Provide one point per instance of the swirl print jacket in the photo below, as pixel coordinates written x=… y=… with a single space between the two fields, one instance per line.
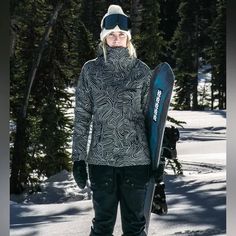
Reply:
x=112 y=95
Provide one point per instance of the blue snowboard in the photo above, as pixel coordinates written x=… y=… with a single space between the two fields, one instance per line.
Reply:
x=161 y=86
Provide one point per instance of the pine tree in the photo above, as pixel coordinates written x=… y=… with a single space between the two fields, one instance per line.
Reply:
x=91 y=14
x=185 y=43
x=136 y=17
x=150 y=42
x=47 y=129
x=169 y=19
x=25 y=15
x=216 y=55
x=205 y=16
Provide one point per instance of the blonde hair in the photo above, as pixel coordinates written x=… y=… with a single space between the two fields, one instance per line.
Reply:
x=130 y=46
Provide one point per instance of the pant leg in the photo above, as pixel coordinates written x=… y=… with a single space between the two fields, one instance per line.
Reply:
x=133 y=189
x=105 y=200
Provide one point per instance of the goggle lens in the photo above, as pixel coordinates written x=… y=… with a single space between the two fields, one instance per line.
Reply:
x=111 y=21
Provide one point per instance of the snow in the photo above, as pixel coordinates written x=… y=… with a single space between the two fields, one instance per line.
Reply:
x=196 y=200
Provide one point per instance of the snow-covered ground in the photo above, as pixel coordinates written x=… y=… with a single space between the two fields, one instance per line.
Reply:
x=196 y=200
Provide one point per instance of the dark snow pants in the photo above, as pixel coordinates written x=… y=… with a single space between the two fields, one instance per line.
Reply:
x=124 y=185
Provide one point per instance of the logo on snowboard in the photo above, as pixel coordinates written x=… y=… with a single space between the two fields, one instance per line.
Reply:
x=158 y=99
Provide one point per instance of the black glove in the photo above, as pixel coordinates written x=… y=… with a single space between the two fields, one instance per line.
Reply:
x=80 y=173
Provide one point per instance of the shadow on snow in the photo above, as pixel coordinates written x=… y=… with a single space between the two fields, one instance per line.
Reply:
x=18 y=220
x=207 y=205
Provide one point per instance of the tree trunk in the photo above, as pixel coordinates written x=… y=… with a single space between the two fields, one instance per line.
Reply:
x=18 y=173
x=196 y=65
x=13 y=30
x=213 y=87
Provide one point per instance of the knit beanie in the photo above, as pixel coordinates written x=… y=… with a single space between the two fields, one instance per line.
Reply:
x=113 y=9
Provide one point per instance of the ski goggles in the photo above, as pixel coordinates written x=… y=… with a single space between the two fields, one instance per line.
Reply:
x=111 y=21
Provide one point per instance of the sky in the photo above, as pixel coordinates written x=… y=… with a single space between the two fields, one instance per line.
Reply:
x=196 y=200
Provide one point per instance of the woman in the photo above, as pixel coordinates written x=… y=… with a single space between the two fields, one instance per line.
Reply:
x=111 y=94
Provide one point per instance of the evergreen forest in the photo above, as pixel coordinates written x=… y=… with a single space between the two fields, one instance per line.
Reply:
x=50 y=40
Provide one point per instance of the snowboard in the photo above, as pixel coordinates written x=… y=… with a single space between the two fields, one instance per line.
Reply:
x=161 y=86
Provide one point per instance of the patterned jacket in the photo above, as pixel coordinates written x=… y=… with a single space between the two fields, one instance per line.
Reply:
x=112 y=96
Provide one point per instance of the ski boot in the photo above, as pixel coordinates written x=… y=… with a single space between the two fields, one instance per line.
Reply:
x=159 y=205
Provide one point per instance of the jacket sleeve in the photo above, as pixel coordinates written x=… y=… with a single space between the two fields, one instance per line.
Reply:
x=82 y=119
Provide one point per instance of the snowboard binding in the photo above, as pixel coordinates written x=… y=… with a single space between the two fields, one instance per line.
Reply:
x=159 y=205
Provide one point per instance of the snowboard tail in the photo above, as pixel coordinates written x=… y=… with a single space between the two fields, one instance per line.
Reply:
x=161 y=86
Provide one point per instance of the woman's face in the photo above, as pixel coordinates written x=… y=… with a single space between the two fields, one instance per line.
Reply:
x=117 y=39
